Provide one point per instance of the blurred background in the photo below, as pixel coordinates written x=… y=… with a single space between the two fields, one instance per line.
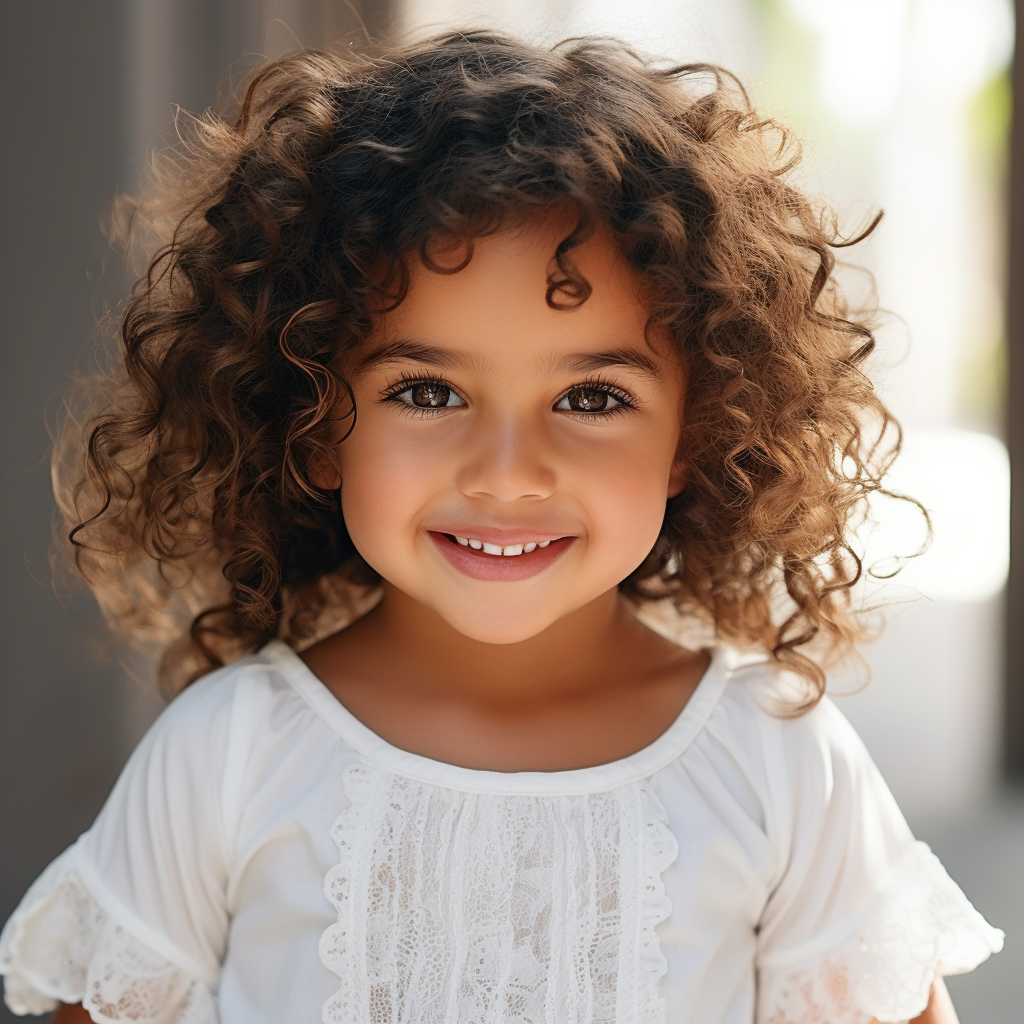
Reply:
x=903 y=105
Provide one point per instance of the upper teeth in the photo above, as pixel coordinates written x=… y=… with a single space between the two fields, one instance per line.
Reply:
x=497 y=549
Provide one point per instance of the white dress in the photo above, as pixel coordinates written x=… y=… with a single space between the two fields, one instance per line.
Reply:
x=267 y=859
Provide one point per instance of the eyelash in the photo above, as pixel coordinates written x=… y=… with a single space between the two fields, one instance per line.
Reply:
x=627 y=402
x=406 y=381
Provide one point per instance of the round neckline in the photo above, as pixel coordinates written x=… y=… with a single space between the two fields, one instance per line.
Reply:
x=573 y=781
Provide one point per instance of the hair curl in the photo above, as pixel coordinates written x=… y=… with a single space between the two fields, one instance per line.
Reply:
x=282 y=231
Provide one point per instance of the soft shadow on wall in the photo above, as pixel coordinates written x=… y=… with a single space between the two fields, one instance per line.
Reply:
x=90 y=88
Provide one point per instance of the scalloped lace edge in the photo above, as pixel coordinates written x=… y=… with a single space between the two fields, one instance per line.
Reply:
x=60 y=946
x=924 y=928
x=660 y=850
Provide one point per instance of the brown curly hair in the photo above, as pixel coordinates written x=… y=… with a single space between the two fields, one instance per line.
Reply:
x=283 y=232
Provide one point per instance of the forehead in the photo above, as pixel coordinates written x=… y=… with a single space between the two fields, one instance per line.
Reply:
x=496 y=307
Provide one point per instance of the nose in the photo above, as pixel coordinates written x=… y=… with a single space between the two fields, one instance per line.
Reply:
x=508 y=460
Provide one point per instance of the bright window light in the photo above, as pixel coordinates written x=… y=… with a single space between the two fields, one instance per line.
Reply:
x=861 y=59
x=963 y=478
x=872 y=50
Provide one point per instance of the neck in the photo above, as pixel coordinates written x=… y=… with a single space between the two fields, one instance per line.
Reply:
x=579 y=651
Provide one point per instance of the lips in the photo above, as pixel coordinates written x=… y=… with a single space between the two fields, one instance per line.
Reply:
x=481 y=564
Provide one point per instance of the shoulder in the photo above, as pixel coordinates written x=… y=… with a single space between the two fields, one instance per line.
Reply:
x=232 y=712
x=217 y=741
x=757 y=699
x=258 y=680
x=818 y=776
x=794 y=761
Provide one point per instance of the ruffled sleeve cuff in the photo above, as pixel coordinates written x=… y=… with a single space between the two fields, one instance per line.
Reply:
x=61 y=946
x=922 y=928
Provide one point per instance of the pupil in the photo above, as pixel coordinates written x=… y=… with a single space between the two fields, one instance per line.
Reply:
x=588 y=401
x=431 y=396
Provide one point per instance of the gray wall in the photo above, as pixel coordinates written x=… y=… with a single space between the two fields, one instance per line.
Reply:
x=87 y=88
x=60 y=718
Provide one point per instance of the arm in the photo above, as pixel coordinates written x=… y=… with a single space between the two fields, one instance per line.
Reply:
x=71 y=1015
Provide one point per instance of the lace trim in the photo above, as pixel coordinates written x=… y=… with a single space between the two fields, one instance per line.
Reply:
x=884 y=971
x=61 y=946
x=456 y=906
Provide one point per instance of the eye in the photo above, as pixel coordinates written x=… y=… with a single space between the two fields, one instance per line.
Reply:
x=426 y=394
x=594 y=398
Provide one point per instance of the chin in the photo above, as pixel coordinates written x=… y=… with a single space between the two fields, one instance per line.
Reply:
x=504 y=626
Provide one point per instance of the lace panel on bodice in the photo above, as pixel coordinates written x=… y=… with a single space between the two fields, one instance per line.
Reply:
x=464 y=908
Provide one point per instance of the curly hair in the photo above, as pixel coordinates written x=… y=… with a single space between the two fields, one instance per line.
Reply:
x=282 y=232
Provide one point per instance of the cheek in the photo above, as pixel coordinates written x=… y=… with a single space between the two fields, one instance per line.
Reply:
x=629 y=510
x=625 y=487
x=387 y=475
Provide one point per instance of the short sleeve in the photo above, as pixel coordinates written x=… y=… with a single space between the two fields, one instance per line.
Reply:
x=131 y=921
x=862 y=917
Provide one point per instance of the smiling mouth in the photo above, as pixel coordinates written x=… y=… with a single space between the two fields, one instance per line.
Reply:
x=484 y=560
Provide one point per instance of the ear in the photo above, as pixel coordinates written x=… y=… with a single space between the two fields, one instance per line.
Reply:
x=324 y=472
x=677 y=478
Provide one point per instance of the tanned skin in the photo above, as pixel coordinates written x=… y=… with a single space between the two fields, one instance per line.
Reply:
x=543 y=672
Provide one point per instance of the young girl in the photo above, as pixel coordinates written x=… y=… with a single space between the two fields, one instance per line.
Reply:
x=516 y=342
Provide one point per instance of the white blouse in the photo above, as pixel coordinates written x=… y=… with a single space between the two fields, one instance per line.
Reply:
x=265 y=858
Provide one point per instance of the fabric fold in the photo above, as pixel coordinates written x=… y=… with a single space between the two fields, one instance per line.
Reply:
x=61 y=946
x=922 y=928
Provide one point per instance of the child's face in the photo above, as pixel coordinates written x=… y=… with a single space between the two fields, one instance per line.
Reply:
x=487 y=417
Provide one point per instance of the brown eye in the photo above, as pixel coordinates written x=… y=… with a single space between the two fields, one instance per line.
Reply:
x=428 y=394
x=589 y=400
x=431 y=396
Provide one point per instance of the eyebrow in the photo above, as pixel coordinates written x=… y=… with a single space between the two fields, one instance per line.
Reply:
x=585 y=362
x=582 y=362
x=415 y=351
